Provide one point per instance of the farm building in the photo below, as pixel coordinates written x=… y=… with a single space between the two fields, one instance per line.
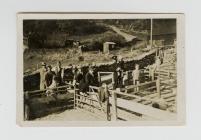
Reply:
x=107 y=46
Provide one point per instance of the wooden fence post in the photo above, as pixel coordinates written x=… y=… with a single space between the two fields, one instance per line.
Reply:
x=113 y=81
x=99 y=78
x=158 y=87
x=127 y=76
x=107 y=105
x=114 y=106
x=168 y=73
x=74 y=96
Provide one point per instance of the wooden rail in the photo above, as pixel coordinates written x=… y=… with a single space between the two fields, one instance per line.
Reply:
x=138 y=108
x=139 y=85
x=59 y=89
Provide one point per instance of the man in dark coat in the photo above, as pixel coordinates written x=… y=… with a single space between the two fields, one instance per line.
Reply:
x=78 y=76
x=49 y=76
x=121 y=64
x=119 y=81
x=115 y=66
x=89 y=77
x=59 y=72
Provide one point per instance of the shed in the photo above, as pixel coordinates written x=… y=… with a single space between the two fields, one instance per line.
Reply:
x=107 y=46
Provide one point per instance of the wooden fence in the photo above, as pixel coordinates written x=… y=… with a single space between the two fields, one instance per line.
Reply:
x=121 y=106
x=130 y=108
x=38 y=104
x=90 y=101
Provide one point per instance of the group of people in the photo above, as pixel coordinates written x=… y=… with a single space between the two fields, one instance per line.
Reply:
x=84 y=80
x=54 y=77
x=121 y=77
x=51 y=77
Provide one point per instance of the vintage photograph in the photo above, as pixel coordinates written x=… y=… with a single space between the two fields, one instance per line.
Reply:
x=108 y=68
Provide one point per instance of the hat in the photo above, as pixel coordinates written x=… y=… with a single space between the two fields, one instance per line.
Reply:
x=79 y=67
x=43 y=64
x=49 y=66
x=118 y=69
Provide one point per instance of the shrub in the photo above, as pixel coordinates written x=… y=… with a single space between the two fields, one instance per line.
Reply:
x=81 y=58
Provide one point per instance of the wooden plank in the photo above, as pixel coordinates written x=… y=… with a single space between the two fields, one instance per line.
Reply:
x=131 y=117
x=146 y=102
x=105 y=72
x=154 y=95
x=75 y=92
x=170 y=99
x=106 y=77
x=150 y=88
x=158 y=87
x=165 y=96
x=166 y=92
x=146 y=110
x=113 y=100
x=142 y=84
x=39 y=91
x=87 y=98
x=135 y=96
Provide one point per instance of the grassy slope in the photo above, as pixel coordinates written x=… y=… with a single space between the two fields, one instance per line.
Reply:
x=66 y=56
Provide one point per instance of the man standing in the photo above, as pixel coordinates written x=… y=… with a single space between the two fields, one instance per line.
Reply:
x=49 y=76
x=89 y=77
x=136 y=76
x=121 y=63
x=158 y=62
x=78 y=75
x=115 y=66
x=119 y=74
x=59 y=72
x=43 y=72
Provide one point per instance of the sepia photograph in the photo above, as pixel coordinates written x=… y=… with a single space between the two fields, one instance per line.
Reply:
x=100 y=69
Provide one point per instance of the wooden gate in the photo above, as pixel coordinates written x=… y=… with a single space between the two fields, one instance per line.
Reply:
x=90 y=102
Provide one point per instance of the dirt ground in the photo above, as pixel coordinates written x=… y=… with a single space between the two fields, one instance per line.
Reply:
x=71 y=115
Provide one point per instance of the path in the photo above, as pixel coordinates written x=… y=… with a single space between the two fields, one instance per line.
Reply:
x=128 y=37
